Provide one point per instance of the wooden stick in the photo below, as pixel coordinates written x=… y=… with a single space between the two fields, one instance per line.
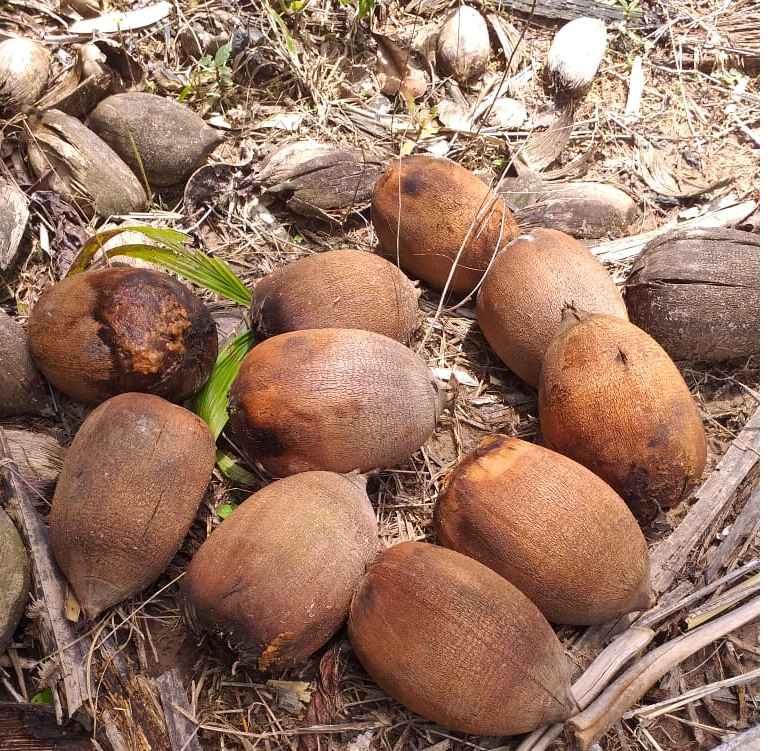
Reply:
x=746 y=524
x=182 y=731
x=749 y=740
x=590 y=725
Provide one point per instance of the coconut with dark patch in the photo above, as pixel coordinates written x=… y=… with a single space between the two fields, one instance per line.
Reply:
x=612 y=399
x=275 y=579
x=439 y=222
x=460 y=645
x=155 y=136
x=343 y=288
x=697 y=293
x=520 y=305
x=128 y=491
x=332 y=399
x=554 y=529
x=100 y=333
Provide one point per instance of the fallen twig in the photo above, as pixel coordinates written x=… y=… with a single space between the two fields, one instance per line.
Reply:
x=591 y=724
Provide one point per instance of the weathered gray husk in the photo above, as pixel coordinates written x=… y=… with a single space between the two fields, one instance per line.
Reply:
x=581 y=209
x=14 y=213
x=314 y=177
x=697 y=292
x=14 y=575
x=171 y=140
x=82 y=168
x=21 y=385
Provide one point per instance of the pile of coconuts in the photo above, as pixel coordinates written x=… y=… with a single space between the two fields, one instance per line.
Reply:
x=527 y=535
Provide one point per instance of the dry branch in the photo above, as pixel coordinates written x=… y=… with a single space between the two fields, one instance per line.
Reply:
x=591 y=724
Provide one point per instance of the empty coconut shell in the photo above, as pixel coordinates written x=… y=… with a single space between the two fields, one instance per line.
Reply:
x=343 y=288
x=131 y=483
x=519 y=306
x=452 y=640
x=332 y=399
x=314 y=178
x=100 y=333
x=276 y=577
x=554 y=529
x=21 y=388
x=81 y=167
x=171 y=140
x=612 y=399
x=24 y=69
x=581 y=209
x=697 y=293
x=428 y=212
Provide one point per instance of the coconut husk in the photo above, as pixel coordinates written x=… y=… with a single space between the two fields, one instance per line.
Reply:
x=21 y=385
x=14 y=213
x=38 y=458
x=79 y=166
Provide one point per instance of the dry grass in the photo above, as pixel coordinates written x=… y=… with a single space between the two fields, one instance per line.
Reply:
x=315 y=70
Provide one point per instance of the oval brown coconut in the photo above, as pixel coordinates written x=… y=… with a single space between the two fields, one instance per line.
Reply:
x=100 y=333
x=457 y=643
x=554 y=529
x=427 y=211
x=345 y=288
x=612 y=399
x=697 y=293
x=332 y=399
x=171 y=140
x=128 y=491
x=275 y=579
x=520 y=305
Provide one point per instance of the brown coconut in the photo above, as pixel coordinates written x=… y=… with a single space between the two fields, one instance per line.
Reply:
x=332 y=399
x=171 y=140
x=428 y=211
x=519 y=306
x=24 y=69
x=127 y=494
x=100 y=333
x=554 y=529
x=275 y=579
x=612 y=399
x=455 y=642
x=344 y=288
